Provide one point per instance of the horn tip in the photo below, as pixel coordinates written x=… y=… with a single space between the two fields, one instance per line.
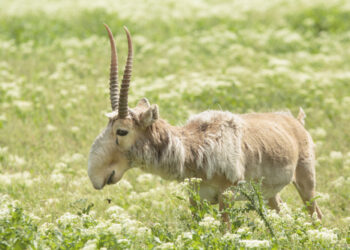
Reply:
x=126 y=29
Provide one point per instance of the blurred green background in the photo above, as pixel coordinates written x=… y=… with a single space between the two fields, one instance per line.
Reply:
x=190 y=56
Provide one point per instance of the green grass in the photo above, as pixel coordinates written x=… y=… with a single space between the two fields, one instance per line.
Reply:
x=189 y=57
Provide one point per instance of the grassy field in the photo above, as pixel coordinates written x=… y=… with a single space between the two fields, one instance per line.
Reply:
x=190 y=56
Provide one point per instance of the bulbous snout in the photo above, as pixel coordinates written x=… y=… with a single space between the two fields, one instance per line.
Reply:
x=96 y=172
x=102 y=154
x=100 y=175
x=99 y=183
x=106 y=167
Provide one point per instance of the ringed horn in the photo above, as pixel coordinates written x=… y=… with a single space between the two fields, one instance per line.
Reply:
x=122 y=102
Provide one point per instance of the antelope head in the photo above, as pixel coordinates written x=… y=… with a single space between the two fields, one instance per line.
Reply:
x=107 y=160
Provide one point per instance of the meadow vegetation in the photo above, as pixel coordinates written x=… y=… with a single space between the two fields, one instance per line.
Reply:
x=190 y=56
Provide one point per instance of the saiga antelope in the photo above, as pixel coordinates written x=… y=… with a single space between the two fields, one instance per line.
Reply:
x=219 y=147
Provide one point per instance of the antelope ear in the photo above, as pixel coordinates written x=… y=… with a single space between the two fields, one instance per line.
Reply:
x=112 y=114
x=148 y=117
x=144 y=103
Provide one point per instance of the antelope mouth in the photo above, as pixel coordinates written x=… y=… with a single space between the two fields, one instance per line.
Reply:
x=110 y=178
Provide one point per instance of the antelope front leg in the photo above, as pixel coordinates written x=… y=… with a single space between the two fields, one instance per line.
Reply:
x=196 y=206
x=224 y=215
x=274 y=203
x=193 y=204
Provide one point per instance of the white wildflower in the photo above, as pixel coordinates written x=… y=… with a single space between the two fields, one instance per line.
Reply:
x=322 y=196
x=79 y=181
x=320 y=133
x=273 y=215
x=102 y=225
x=115 y=228
x=28 y=182
x=130 y=225
x=134 y=209
x=34 y=217
x=92 y=214
x=5 y=105
x=284 y=208
x=3 y=150
x=68 y=105
x=50 y=107
x=124 y=184
x=68 y=218
x=336 y=155
x=338 y=182
x=90 y=245
x=209 y=222
x=90 y=231
x=243 y=230
x=346 y=220
x=60 y=166
x=81 y=88
x=324 y=235
x=259 y=222
x=3 y=117
x=23 y=105
x=319 y=144
x=300 y=212
x=51 y=201
x=5 y=179
x=187 y=235
x=189 y=182
x=255 y=243
x=57 y=178
x=183 y=237
x=167 y=245
x=158 y=204
x=315 y=217
x=114 y=209
x=144 y=178
x=74 y=100
x=50 y=128
x=230 y=237
x=198 y=180
x=287 y=218
x=331 y=102
x=23 y=178
x=45 y=227
x=124 y=241
x=229 y=194
x=347 y=164
x=74 y=129
x=54 y=76
x=241 y=182
x=142 y=232
x=63 y=92
x=76 y=157
x=278 y=62
x=4 y=212
x=14 y=92
x=346 y=101
x=39 y=89
x=295 y=237
x=119 y=217
x=15 y=160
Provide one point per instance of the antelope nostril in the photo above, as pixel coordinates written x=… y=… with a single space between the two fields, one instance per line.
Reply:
x=110 y=178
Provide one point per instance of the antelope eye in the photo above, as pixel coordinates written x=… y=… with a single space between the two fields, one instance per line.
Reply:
x=122 y=132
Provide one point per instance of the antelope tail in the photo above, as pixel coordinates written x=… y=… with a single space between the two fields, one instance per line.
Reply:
x=301 y=116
